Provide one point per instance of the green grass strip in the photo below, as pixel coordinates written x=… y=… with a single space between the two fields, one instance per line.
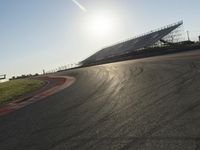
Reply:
x=11 y=90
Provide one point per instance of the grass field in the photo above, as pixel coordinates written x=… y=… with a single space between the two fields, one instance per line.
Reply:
x=11 y=90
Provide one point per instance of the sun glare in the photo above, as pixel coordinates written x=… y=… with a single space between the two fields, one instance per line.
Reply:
x=101 y=25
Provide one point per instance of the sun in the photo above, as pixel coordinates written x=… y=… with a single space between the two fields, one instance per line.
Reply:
x=101 y=24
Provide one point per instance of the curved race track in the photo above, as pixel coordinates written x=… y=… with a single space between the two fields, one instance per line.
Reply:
x=146 y=104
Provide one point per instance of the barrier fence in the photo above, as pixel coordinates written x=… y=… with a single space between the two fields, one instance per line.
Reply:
x=62 y=68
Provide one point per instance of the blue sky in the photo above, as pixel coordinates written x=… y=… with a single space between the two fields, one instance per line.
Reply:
x=45 y=34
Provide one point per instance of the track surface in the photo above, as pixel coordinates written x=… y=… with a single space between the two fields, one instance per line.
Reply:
x=146 y=104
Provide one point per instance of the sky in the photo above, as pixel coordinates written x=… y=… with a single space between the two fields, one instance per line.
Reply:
x=46 y=34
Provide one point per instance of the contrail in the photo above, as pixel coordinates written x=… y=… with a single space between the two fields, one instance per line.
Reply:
x=80 y=6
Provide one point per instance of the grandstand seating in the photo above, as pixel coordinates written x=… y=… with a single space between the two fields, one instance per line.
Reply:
x=135 y=44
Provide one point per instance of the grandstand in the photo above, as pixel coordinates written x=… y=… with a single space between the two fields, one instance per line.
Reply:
x=160 y=36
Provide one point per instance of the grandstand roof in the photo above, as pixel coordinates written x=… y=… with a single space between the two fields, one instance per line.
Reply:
x=136 y=43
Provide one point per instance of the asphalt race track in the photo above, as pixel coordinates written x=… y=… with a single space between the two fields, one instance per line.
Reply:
x=146 y=104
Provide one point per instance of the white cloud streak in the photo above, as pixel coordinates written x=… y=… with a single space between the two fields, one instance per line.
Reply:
x=80 y=6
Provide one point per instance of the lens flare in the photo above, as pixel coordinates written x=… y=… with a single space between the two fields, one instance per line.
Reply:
x=80 y=6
